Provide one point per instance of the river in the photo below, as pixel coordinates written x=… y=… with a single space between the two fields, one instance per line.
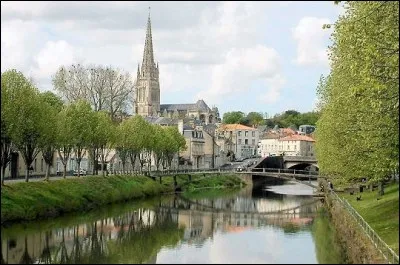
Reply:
x=270 y=224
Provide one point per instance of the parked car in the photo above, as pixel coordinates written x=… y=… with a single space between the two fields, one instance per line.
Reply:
x=82 y=172
x=240 y=168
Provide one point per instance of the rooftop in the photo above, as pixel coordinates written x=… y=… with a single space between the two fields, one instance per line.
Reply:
x=233 y=127
x=297 y=137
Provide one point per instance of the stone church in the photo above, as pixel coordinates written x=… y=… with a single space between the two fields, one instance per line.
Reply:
x=147 y=92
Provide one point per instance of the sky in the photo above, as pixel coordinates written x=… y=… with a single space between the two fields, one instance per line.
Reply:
x=238 y=56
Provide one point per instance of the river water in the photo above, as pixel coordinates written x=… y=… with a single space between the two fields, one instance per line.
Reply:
x=270 y=224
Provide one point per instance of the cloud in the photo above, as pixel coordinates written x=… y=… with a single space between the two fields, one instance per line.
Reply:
x=52 y=56
x=19 y=39
x=240 y=69
x=311 y=41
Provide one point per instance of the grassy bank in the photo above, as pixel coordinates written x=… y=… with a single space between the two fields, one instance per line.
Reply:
x=33 y=200
x=382 y=215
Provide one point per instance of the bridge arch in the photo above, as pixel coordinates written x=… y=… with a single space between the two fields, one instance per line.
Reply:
x=304 y=166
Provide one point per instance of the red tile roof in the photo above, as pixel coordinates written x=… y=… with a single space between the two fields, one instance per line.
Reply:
x=233 y=127
x=297 y=137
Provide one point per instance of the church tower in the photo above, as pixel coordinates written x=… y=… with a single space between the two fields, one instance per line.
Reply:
x=147 y=85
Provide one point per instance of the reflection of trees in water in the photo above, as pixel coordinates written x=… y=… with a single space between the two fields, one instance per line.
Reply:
x=26 y=258
x=327 y=246
x=134 y=237
x=45 y=257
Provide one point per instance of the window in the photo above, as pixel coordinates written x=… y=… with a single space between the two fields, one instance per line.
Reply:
x=253 y=142
x=288 y=147
x=253 y=133
x=239 y=133
x=240 y=141
x=34 y=167
x=246 y=133
x=246 y=141
x=41 y=165
x=295 y=147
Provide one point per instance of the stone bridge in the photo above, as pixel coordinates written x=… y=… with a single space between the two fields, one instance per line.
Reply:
x=288 y=162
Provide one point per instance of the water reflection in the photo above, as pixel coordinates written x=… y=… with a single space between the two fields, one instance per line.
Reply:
x=167 y=230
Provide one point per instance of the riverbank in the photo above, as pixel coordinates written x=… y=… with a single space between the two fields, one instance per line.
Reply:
x=381 y=215
x=35 y=200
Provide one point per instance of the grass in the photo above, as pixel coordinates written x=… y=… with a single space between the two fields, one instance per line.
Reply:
x=382 y=215
x=34 y=200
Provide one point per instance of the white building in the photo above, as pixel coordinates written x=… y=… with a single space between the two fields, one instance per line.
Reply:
x=243 y=139
x=292 y=145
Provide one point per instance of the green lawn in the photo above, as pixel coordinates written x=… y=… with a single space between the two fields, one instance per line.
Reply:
x=382 y=215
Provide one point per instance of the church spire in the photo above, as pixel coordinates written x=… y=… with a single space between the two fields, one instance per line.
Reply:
x=148 y=57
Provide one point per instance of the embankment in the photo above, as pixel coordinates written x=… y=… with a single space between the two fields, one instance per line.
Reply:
x=44 y=199
x=359 y=248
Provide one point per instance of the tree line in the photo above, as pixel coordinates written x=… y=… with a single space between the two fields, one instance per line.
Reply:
x=289 y=118
x=358 y=131
x=34 y=121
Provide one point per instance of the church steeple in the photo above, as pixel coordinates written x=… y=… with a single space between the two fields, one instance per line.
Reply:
x=148 y=57
x=147 y=84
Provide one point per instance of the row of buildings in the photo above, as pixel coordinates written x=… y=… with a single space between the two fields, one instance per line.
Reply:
x=208 y=146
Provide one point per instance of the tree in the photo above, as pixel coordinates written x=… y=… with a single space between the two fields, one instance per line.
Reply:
x=6 y=144
x=105 y=136
x=64 y=133
x=233 y=117
x=255 y=118
x=104 y=88
x=358 y=132
x=23 y=115
x=82 y=123
x=52 y=105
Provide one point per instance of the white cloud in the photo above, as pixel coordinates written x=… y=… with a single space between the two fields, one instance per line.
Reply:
x=311 y=41
x=52 y=56
x=19 y=39
x=240 y=69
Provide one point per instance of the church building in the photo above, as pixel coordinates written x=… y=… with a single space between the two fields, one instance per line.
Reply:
x=147 y=92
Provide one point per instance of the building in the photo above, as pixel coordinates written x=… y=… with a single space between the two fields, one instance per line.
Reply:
x=147 y=92
x=306 y=129
x=147 y=84
x=193 y=156
x=239 y=139
x=292 y=145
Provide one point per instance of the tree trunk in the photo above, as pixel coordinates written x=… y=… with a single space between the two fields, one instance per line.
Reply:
x=381 y=189
x=3 y=174
x=27 y=174
x=78 y=161
x=65 y=170
x=47 y=171
x=102 y=168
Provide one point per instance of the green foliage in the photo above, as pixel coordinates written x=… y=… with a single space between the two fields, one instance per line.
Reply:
x=358 y=132
x=293 y=118
x=28 y=201
x=233 y=117
x=24 y=114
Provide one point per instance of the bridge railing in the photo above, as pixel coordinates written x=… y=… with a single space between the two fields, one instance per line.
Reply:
x=381 y=246
x=288 y=171
x=210 y=170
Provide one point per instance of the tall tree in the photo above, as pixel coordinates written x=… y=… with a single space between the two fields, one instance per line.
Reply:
x=105 y=88
x=82 y=123
x=358 y=132
x=52 y=105
x=24 y=115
